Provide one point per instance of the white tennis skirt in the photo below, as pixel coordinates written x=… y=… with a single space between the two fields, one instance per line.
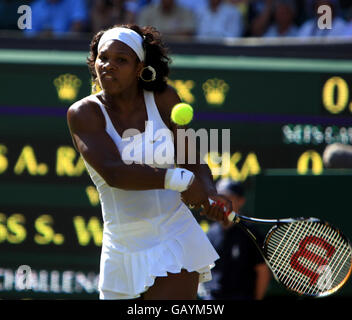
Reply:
x=126 y=275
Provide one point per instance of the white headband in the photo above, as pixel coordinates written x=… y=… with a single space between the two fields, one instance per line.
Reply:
x=127 y=36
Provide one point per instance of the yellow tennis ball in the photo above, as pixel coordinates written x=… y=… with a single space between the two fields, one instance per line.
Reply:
x=182 y=114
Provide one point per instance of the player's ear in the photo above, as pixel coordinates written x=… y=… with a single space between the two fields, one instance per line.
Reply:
x=140 y=67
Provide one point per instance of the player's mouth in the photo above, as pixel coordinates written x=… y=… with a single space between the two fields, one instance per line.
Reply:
x=107 y=76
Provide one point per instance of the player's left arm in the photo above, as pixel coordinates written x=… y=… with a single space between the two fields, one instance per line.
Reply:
x=201 y=170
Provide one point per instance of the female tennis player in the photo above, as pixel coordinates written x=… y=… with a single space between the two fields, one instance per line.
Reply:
x=153 y=248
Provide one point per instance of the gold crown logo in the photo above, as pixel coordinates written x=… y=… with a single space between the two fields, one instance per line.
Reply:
x=67 y=86
x=215 y=91
x=184 y=89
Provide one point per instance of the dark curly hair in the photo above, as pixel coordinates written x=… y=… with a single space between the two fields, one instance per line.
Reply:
x=156 y=55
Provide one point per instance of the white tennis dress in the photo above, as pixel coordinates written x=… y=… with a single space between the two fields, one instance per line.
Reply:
x=146 y=233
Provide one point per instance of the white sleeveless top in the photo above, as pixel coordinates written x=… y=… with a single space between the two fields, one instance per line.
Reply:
x=150 y=232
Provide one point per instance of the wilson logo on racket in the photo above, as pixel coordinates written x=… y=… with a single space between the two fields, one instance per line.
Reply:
x=311 y=255
x=306 y=255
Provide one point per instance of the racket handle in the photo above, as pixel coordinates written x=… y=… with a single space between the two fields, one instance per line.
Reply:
x=231 y=216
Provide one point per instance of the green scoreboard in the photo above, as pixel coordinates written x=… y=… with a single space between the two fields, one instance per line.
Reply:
x=282 y=113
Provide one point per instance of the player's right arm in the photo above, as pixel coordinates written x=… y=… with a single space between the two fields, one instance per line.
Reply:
x=87 y=126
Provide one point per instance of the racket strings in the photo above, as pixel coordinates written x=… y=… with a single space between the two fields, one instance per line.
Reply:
x=337 y=268
x=340 y=264
x=311 y=258
x=283 y=254
x=310 y=262
x=285 y=257
x=325 y=272
x=280 y=236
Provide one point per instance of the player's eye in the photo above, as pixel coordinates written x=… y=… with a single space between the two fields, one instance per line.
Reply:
x=121 y=59
x=102 y=58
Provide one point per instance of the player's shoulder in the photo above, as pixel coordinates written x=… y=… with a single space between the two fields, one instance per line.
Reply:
x=166 y=99
x=85 y=104
x=167 y=96
x=83 y=111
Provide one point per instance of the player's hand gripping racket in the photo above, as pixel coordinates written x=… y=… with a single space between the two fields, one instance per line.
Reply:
x=306 y=255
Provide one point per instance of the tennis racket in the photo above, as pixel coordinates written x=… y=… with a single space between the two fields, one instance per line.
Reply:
x=306 y=255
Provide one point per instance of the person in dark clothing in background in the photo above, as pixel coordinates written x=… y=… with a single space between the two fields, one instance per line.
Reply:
x=240 y=273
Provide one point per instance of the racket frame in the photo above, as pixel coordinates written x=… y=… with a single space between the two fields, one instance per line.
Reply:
x=237 y=219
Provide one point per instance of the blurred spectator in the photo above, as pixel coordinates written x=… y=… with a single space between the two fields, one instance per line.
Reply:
x=347 y=32
x=338 y=155
x=168 y=17
x=9 y=15
x=240 y=273
x=346 y=9
x=284 y=20
x=142 y=3
x=348 y=16
x=194 y=6
x=260 y=17
x=218 y=20
x=311 y=29
x=56 y=17
x=243 y=7
x=301 y=14
x=106 y=13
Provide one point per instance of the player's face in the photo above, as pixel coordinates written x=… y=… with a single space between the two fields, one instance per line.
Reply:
x=117 y=67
